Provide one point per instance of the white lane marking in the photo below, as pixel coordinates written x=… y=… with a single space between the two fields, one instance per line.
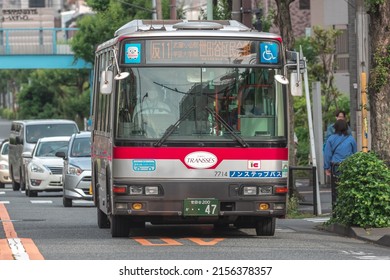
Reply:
x=317 y=220
x=41 y=201
x=4 y=202
x=285 y=230
x=2 y=192
x=365 y=255
x=18 y=251
x=82 y=202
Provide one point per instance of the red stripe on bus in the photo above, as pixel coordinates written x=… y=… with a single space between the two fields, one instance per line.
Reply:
x=181 y=153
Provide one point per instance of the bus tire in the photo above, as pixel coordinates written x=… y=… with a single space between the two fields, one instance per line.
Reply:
x=119 y=226
x=32 y=193
x=265 y=226
x=67 y=202
x=15 y=186
x=22 y=182
x=102 y=219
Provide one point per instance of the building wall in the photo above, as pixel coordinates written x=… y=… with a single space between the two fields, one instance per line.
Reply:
x=29 y=13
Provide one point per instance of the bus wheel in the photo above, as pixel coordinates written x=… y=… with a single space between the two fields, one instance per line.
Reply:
x=15 y=186
x=119 y=226
x=265 y=226
x=32 y=193
x=22 y=183
x=102 y=219
x=67 y=202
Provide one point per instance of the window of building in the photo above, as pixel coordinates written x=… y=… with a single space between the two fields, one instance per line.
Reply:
x=304 y=4
x=36 y=3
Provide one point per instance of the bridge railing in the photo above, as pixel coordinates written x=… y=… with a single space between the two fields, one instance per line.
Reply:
x=30 y=41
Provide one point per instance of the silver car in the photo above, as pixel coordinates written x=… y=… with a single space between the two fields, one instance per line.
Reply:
x=77 y=168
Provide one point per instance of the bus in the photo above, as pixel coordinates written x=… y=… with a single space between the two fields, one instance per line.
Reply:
x=189 y=127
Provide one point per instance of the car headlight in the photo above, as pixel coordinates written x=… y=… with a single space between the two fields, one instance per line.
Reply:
x=3 y=166
x=36 y=168
x=74 y=170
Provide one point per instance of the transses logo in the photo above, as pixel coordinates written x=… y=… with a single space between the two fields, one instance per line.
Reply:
x=200 y=160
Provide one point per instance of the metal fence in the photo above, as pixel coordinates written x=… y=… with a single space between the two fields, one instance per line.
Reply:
x=302 y=180
x=40 y=41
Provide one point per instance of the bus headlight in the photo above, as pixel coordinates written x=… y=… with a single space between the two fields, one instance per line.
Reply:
x=151 y=190
x=136 y=190
x=249 y=190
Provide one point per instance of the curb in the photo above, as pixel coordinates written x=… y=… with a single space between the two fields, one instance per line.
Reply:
x=385 y=240
x=380 y=236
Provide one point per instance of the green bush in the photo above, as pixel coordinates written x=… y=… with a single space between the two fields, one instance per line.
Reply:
x=363 y=192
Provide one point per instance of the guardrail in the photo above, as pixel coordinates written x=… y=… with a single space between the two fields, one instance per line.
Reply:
x=40 y=41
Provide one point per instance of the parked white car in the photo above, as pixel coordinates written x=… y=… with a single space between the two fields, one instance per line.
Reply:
x=4 y=170
x=44 y=171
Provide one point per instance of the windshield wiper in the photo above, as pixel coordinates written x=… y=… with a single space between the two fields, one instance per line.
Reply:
x=173 y=127
x=228 y=127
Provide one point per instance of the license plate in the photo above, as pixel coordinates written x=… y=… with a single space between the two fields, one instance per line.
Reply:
x=201 y=207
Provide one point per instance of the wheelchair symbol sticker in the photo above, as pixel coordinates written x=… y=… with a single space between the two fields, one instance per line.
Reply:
x=269 y=53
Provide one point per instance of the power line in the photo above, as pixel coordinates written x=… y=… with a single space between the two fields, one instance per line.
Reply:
x=136 y=6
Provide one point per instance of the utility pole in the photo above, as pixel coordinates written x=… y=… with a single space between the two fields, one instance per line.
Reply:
x=172 y=10
x=209 y=9
x=236 y=10
x=154 y=8
x=362 y=48
x=159 y=9
x=247 y=13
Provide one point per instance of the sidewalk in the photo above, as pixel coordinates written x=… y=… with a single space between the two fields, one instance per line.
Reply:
x=380 y=236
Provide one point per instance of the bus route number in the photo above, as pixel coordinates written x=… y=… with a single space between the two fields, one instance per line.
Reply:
x=221 y=174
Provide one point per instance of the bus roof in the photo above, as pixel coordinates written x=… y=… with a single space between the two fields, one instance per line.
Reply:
x=179 y=28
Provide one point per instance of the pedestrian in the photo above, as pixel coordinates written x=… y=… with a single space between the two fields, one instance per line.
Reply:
x=340 y=115
x=339 y=146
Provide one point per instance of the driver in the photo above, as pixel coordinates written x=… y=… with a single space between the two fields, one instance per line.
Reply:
x=149 y=112
x=152 y=103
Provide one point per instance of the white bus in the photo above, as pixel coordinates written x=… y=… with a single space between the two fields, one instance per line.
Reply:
x=189 y=126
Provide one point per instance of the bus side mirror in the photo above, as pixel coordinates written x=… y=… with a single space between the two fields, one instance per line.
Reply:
x=106 y=82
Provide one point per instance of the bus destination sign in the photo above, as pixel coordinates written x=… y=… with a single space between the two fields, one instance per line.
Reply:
x=206 y=51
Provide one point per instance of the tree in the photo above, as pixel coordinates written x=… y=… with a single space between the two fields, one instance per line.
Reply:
x=283 y=22
x=379 y=83
x=95 y=29
x=110 y=15
x=10 y=82
x=320 y=53
x=55 y=94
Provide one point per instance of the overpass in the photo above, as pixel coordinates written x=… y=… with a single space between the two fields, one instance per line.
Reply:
x=38 y=48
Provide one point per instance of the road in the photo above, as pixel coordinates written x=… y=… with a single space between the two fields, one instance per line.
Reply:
x=41 y=228
x=60 y=233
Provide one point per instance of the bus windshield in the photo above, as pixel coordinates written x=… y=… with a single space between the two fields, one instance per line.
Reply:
x=209 y=103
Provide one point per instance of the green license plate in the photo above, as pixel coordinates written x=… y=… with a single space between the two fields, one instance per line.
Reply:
x=201 y=207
